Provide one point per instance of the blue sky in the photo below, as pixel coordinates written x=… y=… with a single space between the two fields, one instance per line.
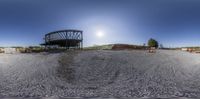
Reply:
x=173 y=23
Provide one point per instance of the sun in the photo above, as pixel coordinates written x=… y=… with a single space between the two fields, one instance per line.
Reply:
x=100 y=34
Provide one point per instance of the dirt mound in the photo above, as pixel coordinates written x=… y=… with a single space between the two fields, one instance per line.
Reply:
x=126 y=47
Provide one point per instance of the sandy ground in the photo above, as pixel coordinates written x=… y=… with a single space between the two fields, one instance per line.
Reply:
x=101 y=74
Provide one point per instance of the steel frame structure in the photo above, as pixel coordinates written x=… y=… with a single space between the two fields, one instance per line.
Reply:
x=64 y=38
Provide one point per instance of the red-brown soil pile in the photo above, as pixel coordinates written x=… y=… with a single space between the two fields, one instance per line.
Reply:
x=126 y=47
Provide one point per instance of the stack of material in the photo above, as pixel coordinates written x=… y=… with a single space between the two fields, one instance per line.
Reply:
x=1 y=50
x=197 y=51
x=191 y=49
x=10 y=50
x=152 y=50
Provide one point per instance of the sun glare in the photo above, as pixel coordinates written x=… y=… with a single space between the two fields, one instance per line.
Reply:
x=100 y=34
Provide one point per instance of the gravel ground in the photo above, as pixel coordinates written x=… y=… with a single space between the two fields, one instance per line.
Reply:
x=101 y=74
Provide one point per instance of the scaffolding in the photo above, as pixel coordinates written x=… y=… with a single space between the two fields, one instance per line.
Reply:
x=64 y=38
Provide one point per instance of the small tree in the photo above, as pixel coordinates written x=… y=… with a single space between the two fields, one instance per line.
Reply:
x=153 y=43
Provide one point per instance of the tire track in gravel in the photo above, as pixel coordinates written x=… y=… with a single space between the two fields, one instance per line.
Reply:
x=98 y=75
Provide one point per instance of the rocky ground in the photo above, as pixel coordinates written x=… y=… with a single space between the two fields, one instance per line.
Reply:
x=101 y=74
